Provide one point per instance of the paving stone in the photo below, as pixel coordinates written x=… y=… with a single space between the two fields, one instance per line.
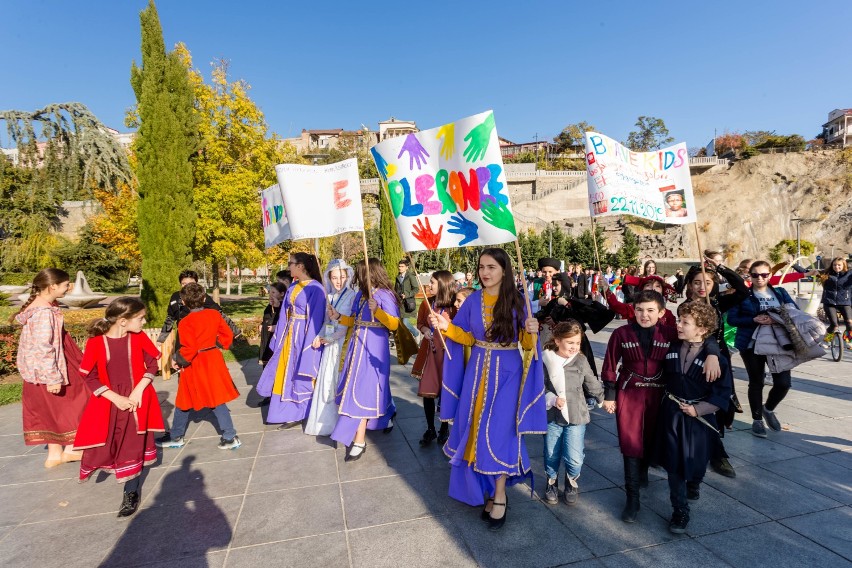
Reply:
x=748 y=447
x=431 y=542
x=590 y=480
x=829 y=528
x=244 y=424
x=294 y=513
x=770 y=544
x=30 y=467
x=278 y=442
x=19 y=501
x=288 y=471
x=820 y=437
x=188 y=481
x=11 y=426
x=668 y=555
x=390 y=499
x=206 y=450
x=840 y=458
x=380 y=460
x=13 y=445
x=328 y=551
x=829 y=479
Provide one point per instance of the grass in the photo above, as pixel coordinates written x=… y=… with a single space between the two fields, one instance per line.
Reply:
x=244 y=308
x=240 y=350
x=11 y=393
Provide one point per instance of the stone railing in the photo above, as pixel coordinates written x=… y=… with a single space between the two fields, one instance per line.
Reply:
x=708 y=161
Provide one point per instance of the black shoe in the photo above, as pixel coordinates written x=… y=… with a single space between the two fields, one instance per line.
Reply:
x=738 y=408
x=723 y=467
x=572 y=490
x=443 y=434
x=771 y=420
x=643 y=475
x=680 y=519
x=693 y=491
x=486 y=515
x=129 y=504
x=389 y=429
x=350 y=458
x=289 y=425
x=497 y=524
x=427 y=438
x=632 y=467
x=551 y=493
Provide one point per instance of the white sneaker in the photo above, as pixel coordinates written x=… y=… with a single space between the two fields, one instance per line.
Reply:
x=767 y=379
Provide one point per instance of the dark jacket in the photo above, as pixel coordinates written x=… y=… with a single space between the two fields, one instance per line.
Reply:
x=408 y=287
x=742 y=315
x=177 y=311
x=837 y=289
x=270 y=320
x=580 y=382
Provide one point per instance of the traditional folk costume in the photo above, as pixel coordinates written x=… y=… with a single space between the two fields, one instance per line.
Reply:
x=685 y=444
x=492 y=401
x=267 y=328
x=323 y=413
x=428 y=369
x=114 y=440
x=626 y=310
x=48 y=355
x=363 y=388
x=290 y=375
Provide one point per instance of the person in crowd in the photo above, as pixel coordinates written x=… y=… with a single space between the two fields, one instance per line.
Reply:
x=323 y=414
x=461 y=296
x=688 y=430
x=205 y=380
x=363 y=389
x=271 y=313
x=632 y=373
x=649 y=268
x=628 y=290
x=406 y=287
x=495 y=402
x=609 y=275
x=746 y=316
x=543 y=287
x=117 y=429
x=652 y=282
x=680 y=279
x=294 y=366
x=470 y=281
x=837 y=297
x=567 y=375
x=54 y=394
x=284 y=277
x=177 y=311
x=429 y=365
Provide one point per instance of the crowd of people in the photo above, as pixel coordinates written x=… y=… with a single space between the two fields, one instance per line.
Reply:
x=492 y=370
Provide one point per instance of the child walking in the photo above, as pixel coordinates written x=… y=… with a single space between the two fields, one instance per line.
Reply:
x=116 y=431
x=205 y=381
x=688 y=429
x=567 y=375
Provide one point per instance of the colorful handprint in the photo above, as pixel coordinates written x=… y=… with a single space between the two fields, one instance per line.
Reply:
x=464 y=227
x=478 y=139
x=448 y=133
x=425 y=235
x=498 y=214
x=416 y=152
x=381 y=164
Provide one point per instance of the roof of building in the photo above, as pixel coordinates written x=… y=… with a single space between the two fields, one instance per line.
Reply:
x=325 y=131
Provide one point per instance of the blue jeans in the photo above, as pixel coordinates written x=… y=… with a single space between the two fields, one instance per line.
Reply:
x=564 y=443
x=180 y=421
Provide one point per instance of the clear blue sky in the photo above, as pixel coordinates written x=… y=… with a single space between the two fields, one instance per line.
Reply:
x=780 y=65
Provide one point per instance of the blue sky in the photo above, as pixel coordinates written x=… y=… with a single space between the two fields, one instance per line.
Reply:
x=778 y=65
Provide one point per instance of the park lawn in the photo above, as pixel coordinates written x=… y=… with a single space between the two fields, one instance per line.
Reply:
x=11 y=393
x=241 y=350
x=249 y=307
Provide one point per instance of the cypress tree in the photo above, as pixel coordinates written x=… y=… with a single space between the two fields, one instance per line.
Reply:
x=166 y=139
x=391 y=246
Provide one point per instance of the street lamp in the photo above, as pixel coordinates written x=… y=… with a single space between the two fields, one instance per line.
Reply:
x=798 y=221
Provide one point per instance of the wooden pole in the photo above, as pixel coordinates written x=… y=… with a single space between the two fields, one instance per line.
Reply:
x=701 y=263
x=526 y=292
x=595 y=243
x=428 y=304
x=367 y=268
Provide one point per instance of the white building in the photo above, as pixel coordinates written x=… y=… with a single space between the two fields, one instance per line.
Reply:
x=838 y=129
x=392 y=128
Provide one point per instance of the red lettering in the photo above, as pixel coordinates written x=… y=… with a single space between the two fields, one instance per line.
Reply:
x=470 y=190
x=339 y=195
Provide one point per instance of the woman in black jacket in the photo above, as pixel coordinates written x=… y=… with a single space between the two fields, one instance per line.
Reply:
x=837 y=297
x=270 y=319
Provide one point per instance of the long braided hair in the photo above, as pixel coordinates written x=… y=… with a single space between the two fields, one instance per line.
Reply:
x=42 y=281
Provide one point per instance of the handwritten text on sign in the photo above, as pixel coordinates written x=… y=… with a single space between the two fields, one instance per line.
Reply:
x=276 y=229
x=653 y=185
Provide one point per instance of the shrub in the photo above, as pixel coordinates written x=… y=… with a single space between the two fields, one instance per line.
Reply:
x=8 y=350
x=16 y=278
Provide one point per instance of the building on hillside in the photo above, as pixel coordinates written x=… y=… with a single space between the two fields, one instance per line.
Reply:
x=11 y=154
x=392 y=128
x=510 y=149
x=321 y=141
x=838 y=129
x=124 y=139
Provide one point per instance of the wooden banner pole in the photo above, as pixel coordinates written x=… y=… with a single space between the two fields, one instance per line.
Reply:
x=526 y=292
x=367 y=268
x=701 y=263
x=428 y=304
x=595 y=243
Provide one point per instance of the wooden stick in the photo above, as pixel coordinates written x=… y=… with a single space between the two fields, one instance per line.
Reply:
x=701 y=262
x=526 y=293
x=428 y=304
x=367 y=267
x=595 y=243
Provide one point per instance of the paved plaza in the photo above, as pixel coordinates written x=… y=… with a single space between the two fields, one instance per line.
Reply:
x=287 y=499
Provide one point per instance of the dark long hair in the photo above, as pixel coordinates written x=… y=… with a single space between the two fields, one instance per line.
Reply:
x=42 y=281
x=378 y=277
x=123 y=307
x=310 y=263
x=446 y=296
x=508 y=316
x=695 y=272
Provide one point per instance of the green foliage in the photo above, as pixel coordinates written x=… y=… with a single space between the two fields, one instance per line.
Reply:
x=651 y=134
x=166 y=139
x=16 y=278
x=572 y=137
x=104 y=270
x=582 y=250
x=788 y=247
x=4 y=300
x=11 y=393
x=391 y=247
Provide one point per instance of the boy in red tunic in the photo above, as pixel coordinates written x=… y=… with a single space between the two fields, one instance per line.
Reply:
x=205 y=381
x=634 y=391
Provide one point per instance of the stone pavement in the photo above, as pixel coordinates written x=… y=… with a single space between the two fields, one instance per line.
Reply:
x=287 y=499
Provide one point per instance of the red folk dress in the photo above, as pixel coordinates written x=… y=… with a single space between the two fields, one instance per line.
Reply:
x=114 y=440
x=206 y=383
x=429 y=363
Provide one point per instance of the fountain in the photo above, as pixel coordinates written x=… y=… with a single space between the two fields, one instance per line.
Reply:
x=81 y=296
x=14 y=290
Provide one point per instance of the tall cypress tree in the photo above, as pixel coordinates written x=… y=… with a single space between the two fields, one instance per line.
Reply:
x=391 y=245
x=166 y=139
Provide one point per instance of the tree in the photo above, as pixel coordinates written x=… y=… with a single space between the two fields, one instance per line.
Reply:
x=652 y=134
x=166 y=139
x=729 y=142
x=789 y=247
x=628 y=254
x=115 y=227
x=572 y=137
x=582 y=249
x=104 y=270
x=391 y=247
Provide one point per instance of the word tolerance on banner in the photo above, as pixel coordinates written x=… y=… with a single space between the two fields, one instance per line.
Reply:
x=276 y=229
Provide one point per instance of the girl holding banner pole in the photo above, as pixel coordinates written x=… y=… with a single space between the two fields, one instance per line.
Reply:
x=498 y=396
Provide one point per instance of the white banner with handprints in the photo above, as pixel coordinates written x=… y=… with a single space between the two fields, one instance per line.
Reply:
x=276 y=229
x=321 y=201
x=652 y=185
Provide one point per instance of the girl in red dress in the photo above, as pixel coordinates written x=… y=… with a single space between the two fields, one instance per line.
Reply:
x=48 y=358
x=116 y=433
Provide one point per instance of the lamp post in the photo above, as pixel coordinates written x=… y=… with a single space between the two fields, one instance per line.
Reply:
x=798 y=221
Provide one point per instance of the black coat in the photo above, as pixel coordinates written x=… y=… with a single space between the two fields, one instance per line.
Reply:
x=837 y=289
x=177 y=311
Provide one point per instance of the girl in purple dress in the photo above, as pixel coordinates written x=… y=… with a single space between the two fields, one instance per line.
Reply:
x=294 y=366
x=498 y=396
x=363 y=389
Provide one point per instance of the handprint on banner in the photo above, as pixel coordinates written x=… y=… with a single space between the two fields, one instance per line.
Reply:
x=448 y=133
x=464 y=227
x=479 y=137
x=416 y=152
x=498 y=214
x=425 y=235
x=385 y=170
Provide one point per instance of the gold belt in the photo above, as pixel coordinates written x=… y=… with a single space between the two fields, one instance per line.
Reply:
x=363 y=323
x=493 y=345
x=296 y=316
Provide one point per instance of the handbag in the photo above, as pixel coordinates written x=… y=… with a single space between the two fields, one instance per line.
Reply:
x=409 y=304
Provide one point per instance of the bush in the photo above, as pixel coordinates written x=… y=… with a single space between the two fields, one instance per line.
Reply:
x=10 y=393
x=16 y=278
x=8 y=349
